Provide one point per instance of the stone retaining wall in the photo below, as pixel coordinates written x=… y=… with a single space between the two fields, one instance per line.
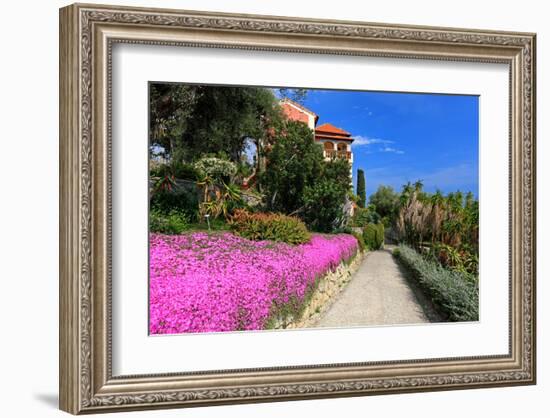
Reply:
x=328 y=288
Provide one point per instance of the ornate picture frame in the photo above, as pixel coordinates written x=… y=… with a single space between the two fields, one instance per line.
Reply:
x=87 y=35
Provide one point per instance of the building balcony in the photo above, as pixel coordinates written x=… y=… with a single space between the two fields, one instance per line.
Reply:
x=338 y=154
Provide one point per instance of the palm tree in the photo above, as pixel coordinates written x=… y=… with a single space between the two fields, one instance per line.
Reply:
x=418 y=185
x=405 y=193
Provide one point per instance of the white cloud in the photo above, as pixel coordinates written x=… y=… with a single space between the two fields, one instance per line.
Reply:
x=365 y=140
x=391 y=149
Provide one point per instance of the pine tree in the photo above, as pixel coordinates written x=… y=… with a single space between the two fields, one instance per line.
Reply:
x=361 y=191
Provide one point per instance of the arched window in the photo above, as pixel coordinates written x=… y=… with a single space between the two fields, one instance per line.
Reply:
x=343 y=150
x=329 y=150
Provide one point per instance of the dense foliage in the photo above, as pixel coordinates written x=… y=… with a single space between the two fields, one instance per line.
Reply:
x=455 y=259
x=455 y=294
x=373 y=236
x=361 y=188
x=179 y=170
x=298 y=181
x=293 y=163
x=173 y=222
x=434 y=220
x=178 y=199
x=385 y=202
x=360 y=241
x=193 y=120
x=324 y=200
x=217 y=168
x=364 y=216
x=269 y=226
x=171 y=106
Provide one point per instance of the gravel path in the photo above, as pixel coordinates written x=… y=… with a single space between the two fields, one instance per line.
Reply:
x=379 y=294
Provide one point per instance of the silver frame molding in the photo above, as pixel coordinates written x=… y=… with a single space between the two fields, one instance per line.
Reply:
x=87 y=34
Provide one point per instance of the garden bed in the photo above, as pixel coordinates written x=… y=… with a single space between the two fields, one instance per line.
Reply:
x=213 y=282
x=452 y=292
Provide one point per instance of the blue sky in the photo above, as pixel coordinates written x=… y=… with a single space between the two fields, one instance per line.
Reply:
x=402 y=137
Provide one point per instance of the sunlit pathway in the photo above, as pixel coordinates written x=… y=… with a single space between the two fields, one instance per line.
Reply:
x=378 y=294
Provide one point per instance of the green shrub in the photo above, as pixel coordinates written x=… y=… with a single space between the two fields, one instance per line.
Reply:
x=380 y=235
x=159 y=170
x=460 y=260
x=177 y=169
x=173 y=222
x=373 y=235
x=359 y=238
x=369 y=236
x=179 y=200
x=298 y=180
x=364 y=216
x=217 y=168
x=451 y=291
x=323 y=205
x=184 y=171
x=343 y=230
x=269 y=226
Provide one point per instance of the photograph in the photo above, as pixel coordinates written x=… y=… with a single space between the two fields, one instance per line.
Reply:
x=279 y=208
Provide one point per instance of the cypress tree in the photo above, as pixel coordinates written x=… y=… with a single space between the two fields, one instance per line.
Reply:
x=361 y=189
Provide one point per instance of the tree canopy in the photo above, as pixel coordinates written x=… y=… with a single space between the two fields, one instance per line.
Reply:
x=293 y=163
x=297 y=95
x=298 y=180
x=324 y=200
x=385 y=201
x=193 y=120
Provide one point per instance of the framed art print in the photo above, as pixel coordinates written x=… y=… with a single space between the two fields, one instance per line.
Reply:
x=259 y=208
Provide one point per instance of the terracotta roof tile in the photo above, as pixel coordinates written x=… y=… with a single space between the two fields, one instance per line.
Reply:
x=331 y=129
x=335 y=137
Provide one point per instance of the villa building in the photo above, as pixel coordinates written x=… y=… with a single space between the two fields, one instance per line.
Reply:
x=336 y=142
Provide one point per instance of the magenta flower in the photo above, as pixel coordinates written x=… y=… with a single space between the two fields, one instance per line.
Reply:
x=203 y=282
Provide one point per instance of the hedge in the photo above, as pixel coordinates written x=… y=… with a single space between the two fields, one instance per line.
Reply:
x=450 y=291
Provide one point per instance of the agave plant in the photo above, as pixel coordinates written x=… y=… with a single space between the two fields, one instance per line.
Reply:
x=218 y=199
x=166 y=183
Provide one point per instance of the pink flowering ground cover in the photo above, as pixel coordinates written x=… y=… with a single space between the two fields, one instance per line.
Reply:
x=201 y=282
